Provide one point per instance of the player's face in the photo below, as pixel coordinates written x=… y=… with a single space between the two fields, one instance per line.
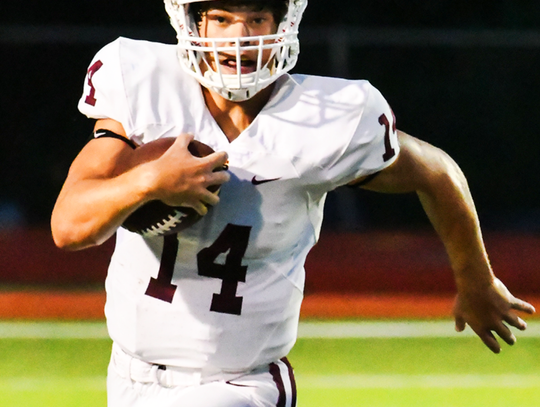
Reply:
x=234 y=22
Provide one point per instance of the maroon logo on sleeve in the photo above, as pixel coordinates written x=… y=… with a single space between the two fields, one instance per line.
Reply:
x=389 y=127
x=91 y=97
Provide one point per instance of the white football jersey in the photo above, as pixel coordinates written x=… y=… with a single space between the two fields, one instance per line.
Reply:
x=226 y=293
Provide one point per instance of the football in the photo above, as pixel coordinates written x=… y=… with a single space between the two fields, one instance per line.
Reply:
x=157 y=218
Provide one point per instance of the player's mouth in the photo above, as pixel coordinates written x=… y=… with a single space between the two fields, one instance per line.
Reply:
x=229 y=65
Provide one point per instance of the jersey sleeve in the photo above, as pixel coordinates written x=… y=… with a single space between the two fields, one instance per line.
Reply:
x=372 y=146
x=103 y=92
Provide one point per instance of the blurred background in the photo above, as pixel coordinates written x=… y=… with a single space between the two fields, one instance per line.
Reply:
x=461 y=75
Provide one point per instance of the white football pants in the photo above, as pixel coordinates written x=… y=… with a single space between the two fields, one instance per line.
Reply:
x=134 y=383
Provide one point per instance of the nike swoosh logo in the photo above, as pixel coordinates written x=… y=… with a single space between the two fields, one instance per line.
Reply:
x=256 y=181
x=238 y=385
x=99 y=134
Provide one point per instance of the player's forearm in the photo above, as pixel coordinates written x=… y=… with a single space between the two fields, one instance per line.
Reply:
x=89 y=211
x=445 y=196
x=447 y=201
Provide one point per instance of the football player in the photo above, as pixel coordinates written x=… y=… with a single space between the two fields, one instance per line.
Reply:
x=207 y=316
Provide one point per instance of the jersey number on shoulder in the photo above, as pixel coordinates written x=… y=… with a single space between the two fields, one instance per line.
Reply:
x=222 y=260
x=91 y=97
x=389 y=150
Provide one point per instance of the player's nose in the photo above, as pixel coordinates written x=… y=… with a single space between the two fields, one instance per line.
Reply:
x=239 y=29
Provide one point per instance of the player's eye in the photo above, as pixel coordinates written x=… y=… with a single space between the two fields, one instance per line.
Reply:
x=217 y=16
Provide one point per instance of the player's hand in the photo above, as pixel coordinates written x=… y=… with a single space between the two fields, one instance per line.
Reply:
x=488 y=309
x=180 y=179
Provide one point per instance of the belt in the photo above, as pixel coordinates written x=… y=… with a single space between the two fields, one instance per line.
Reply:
x=137 y=370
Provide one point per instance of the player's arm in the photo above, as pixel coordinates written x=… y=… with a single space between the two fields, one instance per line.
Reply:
x=482 y=300
x=104 y=186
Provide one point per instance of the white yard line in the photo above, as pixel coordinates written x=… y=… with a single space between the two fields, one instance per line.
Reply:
x=397 y=381
x=26 y=384
x=53 y=330
x=363 y=329
x=311 y=381
x=395 y=329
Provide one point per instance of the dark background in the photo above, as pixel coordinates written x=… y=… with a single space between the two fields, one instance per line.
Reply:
x=476 y=100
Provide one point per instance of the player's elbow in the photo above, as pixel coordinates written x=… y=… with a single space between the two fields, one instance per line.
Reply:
x=66 y=242
x=63 y=239
x=444 y=179
x=448 y=172
x=66 y=237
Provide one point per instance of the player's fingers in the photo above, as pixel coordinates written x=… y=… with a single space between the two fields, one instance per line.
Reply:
x=183 y=140
x=460 y=324
x=505 y=333
x=515 y=321
x=489 y=340
x=200 y=208
x=218 y=177
x=210 y=199
x=217 y=161
x=521 y=305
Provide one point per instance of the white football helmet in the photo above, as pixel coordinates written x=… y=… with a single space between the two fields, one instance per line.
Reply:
x=284 y=47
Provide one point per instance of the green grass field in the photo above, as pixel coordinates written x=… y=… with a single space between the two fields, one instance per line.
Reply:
x=65 y=365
